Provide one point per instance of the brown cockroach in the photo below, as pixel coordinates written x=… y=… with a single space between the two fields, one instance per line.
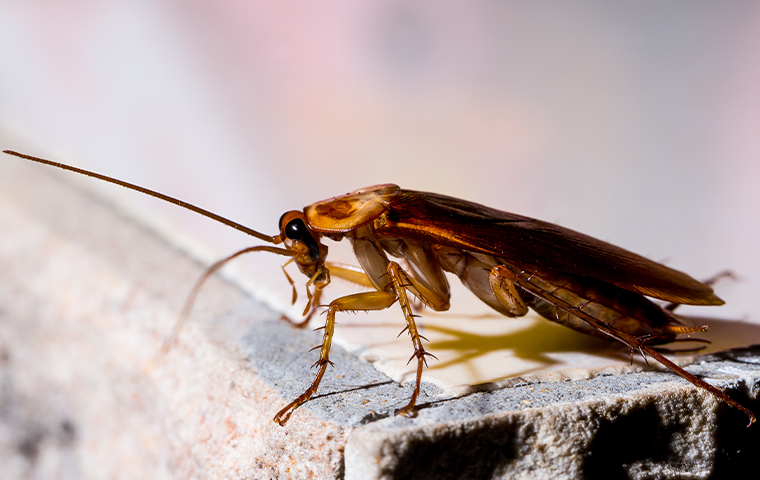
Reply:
x=510 y=262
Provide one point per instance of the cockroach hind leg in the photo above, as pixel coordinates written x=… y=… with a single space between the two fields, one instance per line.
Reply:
x=635 y=344
x=698 y=382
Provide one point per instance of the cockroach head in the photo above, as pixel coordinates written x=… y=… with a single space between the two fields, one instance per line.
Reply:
x=308 y=251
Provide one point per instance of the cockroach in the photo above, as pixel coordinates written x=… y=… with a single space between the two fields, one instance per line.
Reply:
x=511 y=262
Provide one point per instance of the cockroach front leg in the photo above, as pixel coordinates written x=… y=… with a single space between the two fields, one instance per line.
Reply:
x=319 y=281
x=350 y=273
x=360 y=301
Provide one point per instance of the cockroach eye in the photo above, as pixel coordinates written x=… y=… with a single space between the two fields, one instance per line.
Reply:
x=296 y=230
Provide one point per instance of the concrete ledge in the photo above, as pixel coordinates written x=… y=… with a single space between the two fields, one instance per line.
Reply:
x=87 y=296
x=650 y=428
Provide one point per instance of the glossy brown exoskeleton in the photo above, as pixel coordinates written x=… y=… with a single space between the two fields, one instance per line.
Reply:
x=510 y=262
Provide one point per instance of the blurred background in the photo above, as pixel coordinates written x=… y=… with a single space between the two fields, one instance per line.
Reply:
x=635 y=122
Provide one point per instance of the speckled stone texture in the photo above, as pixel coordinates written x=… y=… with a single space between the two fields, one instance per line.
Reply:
x=87 y=296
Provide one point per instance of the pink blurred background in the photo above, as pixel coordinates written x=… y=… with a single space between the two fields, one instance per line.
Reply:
x=635 y=122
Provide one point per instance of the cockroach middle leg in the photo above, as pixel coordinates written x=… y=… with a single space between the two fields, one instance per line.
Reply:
x=350 y=273
x=359 y=301
x=401 y=282
x=506 y=291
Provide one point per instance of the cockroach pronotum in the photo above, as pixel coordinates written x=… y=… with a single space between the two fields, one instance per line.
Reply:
x=510 y=262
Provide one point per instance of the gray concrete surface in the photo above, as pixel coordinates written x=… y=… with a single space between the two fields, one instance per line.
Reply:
x=87 y=296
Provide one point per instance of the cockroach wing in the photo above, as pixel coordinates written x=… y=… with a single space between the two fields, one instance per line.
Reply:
x=349 y=212
x=433 y=218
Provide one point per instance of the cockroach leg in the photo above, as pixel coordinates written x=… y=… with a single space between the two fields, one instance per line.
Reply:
x=346 y=272
x=635 y=344
x=506 y=292
x=313 y=299
x=319 y=280
x=290 y=281
x=360 y=301
x=349 y=273
x=401 y=282
x=621 y=317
